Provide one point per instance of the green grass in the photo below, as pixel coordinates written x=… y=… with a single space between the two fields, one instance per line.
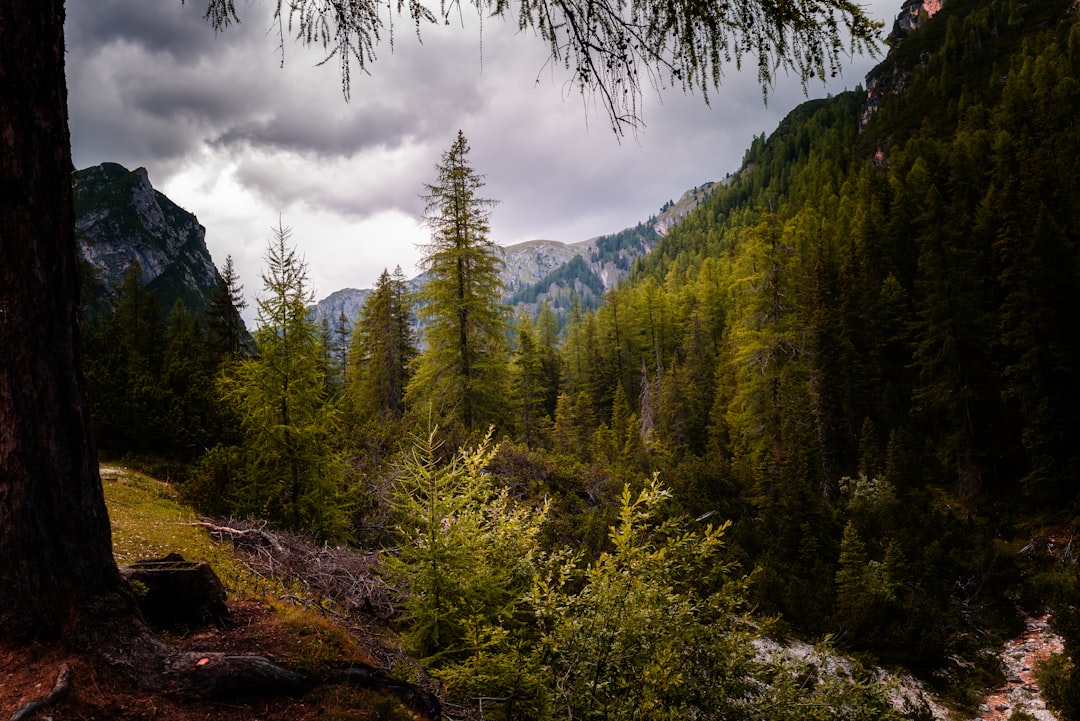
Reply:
x=149 y=521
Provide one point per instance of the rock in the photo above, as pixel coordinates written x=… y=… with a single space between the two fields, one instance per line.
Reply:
x=175 y=593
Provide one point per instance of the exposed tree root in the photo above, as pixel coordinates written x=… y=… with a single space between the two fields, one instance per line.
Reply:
x=59 y=691
x=129 y=645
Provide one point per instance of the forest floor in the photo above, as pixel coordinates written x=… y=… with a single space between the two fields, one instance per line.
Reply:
x=290 y=621
x=98 y=692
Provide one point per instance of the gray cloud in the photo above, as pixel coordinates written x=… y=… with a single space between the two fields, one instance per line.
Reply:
x=151 y=84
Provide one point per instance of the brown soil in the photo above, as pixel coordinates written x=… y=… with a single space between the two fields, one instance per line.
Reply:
x=99 y=692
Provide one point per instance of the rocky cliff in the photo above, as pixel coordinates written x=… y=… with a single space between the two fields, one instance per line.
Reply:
x=121 y=219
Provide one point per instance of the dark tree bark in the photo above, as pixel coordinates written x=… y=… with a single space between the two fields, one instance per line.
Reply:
x=55 y=547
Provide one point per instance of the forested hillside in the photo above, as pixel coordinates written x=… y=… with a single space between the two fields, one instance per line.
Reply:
x=856 y=360
x=864 y=349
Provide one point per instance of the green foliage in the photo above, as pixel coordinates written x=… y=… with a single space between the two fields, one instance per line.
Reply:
x=290 y=471
x=466 y=553
x=653 y=628
x=461 y=373
x=632 y=633
x=381 y=351
x=223 y=309
x=151 y=380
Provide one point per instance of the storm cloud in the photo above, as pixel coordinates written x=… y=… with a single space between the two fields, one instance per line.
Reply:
x=240 y=138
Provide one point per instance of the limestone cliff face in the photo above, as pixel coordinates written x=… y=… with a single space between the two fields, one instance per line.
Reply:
x=120 y=219
x=912 y=13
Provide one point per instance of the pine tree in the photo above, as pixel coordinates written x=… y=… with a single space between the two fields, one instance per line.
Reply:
x=223 y=313
x=187 y=375
x=461 y=373
x=527 y=385
x=124 y=369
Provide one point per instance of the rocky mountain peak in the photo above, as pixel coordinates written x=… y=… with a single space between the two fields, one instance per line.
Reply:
x=912 y=13
x=121 y=219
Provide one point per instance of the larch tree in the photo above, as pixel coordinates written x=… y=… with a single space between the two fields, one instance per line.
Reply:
x=284 y=406
x=611 y=49
x=55 y=544
x=461 y=372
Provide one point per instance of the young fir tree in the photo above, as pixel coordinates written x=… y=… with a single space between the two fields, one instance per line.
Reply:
x=381 y=350
x=291 y=468
x=528 y=385
x=461 y=373
x=223 y=313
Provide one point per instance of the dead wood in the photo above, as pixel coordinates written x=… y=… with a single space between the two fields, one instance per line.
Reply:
x=344 y=577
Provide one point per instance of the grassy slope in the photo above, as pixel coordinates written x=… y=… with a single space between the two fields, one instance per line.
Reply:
x=149 y=521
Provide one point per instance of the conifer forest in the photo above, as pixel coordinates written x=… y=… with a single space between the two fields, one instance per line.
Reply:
x=837 y=403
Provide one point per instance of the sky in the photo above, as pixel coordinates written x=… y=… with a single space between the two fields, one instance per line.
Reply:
x=244 y=137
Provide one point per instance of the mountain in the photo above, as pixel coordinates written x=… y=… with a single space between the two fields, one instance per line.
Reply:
x=558 y=273
x=346 y=300
x=121 y=219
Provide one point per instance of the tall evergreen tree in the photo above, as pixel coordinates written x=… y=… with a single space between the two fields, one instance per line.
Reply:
x=381 y=350
x=461 y=373
x=223 y=313
x=291 y=467
x=527 y=385
x=124 y=369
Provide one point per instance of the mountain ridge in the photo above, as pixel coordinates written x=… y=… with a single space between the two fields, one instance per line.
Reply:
x=121 y=219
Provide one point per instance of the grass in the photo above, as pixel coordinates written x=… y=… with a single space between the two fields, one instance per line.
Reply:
x=149 y=521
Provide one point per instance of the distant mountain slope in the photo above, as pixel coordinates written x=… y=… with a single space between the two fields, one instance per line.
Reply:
x=120 y=219
x=560 y=274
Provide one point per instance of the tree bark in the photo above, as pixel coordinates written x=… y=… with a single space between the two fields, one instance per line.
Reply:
x=55 y=547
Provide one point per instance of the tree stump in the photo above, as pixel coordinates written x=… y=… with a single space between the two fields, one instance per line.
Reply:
x=176 y=593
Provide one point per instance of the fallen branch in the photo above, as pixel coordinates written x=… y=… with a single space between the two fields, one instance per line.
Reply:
x=59 y=691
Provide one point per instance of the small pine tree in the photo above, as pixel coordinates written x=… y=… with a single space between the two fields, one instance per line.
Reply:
x=292 y=473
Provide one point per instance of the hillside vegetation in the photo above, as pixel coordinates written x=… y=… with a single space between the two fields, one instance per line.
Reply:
x=837 y=401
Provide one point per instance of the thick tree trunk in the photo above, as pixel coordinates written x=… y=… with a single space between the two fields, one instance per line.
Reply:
x=55 y=549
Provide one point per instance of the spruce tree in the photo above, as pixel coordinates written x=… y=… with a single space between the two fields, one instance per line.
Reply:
x=381 y=350
x=461 y=373
x=223 y=313
x=528 y=387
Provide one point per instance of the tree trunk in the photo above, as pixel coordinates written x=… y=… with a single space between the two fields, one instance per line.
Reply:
x=55 y=547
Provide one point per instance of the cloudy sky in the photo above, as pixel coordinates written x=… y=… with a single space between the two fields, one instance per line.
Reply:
x=228 y=133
